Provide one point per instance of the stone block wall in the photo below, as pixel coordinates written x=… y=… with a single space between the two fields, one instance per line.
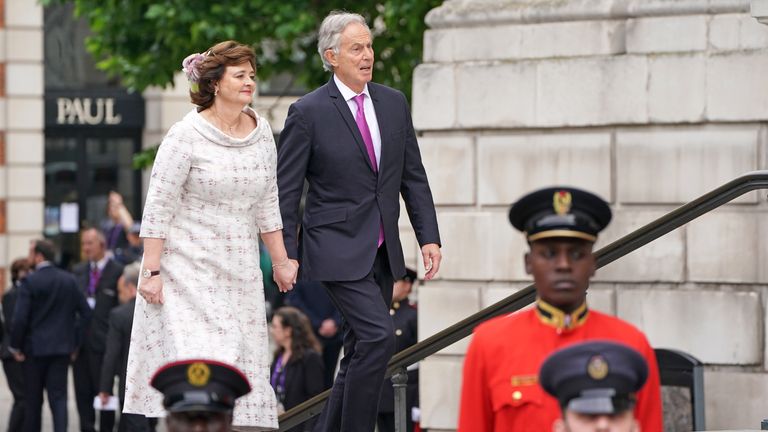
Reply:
x=648 y=103
x=22 y=139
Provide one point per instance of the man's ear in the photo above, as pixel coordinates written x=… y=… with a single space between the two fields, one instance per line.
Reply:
x=330 y=57
x=527 y=262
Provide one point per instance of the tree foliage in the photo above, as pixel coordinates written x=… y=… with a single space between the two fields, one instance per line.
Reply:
x=144 y=41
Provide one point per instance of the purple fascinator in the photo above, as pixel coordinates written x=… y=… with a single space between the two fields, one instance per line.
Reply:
x=191 y=68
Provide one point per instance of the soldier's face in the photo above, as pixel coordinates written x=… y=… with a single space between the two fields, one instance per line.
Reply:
x=199 y=422
x=574 y=422
x=561 y=269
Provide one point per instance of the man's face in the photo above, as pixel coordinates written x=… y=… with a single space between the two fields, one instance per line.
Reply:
x=199 y=422
x=93 y=248
x=353 y=64
x=561 y=269
x=125 y=291
x=575 y=422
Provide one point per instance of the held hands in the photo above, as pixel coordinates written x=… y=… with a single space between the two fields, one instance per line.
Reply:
x=285 y=274
x=152 y=290
x=431 y=254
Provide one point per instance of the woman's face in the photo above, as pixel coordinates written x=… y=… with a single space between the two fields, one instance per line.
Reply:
x=236 y=84
x=280 y=334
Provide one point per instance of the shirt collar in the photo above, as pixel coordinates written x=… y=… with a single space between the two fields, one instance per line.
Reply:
x=42 y=264
x=346 y=92
x=100 y=264
x=555 y=317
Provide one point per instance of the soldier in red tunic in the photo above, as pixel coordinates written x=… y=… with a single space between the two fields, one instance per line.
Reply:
x=500 y=387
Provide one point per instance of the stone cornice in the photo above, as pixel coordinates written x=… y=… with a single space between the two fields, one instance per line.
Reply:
x=759 y=10
x=465 y=13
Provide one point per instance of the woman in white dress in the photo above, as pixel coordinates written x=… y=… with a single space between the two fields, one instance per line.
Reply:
x=212 y=193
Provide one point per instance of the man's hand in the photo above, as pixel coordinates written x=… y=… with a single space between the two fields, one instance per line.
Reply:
x=328 y=328
x=430 y=252
x=19 y=356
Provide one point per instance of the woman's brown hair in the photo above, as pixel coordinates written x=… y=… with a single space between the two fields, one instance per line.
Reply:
x=215 y=62
x=302 y=337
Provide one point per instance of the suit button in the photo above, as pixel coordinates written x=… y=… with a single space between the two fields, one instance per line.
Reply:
x=392 y=312
x=398 y=332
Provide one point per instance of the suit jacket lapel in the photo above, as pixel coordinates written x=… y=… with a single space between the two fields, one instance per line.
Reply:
x=343 y=108
x=381 y=119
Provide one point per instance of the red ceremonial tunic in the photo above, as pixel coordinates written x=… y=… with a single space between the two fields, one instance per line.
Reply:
x=500 y=388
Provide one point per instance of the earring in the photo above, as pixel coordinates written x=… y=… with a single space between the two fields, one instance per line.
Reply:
x=216 y=92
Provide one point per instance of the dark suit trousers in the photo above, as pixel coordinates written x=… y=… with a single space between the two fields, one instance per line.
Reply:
x=87 y=372
x=48 y=373
x=369 y=343
x=14 y=375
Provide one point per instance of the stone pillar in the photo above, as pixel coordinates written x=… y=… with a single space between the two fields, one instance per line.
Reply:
x=22 y=138
x=648 y=103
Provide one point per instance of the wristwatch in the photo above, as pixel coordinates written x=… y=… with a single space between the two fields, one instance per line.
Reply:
x=148 y=274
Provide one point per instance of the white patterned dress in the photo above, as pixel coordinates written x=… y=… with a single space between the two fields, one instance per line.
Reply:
x=209 y=197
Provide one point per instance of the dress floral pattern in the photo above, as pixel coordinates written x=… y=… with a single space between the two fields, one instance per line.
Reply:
x=209 y=197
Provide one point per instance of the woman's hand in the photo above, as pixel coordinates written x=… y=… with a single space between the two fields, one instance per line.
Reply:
x=152 y=289
x=285 y=274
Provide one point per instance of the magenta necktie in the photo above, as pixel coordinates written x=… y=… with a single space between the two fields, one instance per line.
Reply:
x=93 y=281
x=362 y=124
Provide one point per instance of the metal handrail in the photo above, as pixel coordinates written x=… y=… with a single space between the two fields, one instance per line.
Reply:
x=619 y=248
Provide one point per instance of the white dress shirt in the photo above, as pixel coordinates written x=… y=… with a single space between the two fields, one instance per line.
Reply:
x=370 y=114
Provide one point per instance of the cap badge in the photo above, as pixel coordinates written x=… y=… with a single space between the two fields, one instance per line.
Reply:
x=561 y=202
x=597 y=368
x=198 y=374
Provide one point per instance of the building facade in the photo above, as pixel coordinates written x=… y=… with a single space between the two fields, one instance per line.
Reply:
x=648 y=103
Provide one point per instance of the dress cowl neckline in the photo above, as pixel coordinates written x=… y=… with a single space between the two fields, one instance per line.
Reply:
x=216 y=136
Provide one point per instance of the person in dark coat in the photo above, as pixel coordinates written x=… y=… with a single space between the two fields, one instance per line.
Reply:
x=49 y=319
x=405 y=321
x=311 y=298
x=116 y=356
x=13 y=370
x=97 y=279
x=296 y=373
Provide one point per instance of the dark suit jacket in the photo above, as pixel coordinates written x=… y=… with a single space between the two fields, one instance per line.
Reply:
x=106 y=299
x=118 y=341
x=303 y=378
x=48 y=310
x=346 y=199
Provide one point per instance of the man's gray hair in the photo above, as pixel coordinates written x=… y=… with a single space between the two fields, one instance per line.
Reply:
x=131 y=274
x=330 y=32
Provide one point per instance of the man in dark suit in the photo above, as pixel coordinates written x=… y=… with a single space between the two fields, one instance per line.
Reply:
x=14 y=373
x=44 y=335
x=118 y=340
x=353 y=142
x=97 y=278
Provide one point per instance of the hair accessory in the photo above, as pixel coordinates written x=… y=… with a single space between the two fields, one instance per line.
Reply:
x=190 y=66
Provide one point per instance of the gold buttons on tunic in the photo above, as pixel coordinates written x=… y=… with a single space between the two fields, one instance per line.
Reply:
x=517 y=395
x=392 y=312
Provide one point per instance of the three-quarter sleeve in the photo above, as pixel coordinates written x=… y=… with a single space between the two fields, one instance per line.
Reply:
x=169 y=173
x=268 y=212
